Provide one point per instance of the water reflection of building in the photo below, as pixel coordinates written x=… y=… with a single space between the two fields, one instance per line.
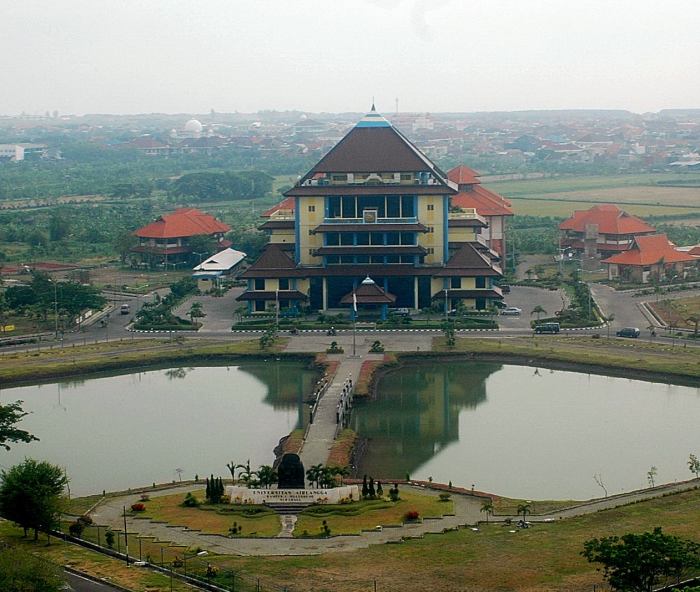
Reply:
x=287 y=385
x=416 y=414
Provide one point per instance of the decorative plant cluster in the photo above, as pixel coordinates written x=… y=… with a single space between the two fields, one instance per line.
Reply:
x=138 y=507
x=214 y=489
x=411 y=516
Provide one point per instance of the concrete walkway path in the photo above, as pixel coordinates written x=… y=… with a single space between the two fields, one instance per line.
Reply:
x=467 y=512
x=321 y=433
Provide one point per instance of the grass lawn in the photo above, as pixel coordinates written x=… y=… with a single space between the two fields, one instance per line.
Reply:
x=131 y=353
x=565 y=204
x=353 y=518
x=678 y=310
x=543 y=558
x=210 y=519
x=60 y=553
x=613 y=353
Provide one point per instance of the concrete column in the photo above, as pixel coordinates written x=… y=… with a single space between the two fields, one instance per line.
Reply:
x=415 y=292
x=325 y=293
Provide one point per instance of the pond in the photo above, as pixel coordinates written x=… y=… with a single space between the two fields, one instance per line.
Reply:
x=525 y=432
x=119 y=431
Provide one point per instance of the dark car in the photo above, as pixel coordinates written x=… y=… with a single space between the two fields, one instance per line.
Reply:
x=631 y=332
x=505 y=288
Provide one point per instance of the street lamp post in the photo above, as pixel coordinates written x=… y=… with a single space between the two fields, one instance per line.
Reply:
x=55 y=308
x=277 y=309
x=447 y=308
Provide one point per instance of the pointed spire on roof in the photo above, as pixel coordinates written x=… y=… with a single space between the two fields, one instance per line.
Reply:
x=367 y=281
x=373 y=109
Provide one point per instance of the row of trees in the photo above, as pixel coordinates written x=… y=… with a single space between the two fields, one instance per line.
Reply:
x=43 y=295
x=207 y=186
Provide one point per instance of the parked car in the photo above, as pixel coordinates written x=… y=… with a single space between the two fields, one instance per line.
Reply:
x=125 y=309
x=631 y=332
x=401 y=312
x=505 y=288
x=511 y=311
x=547 y=328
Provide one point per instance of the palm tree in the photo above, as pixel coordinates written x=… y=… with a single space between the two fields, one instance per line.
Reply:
x=487 y=508
x=314 y=474
x=523 y=509
x=196 y=311
x=539 y=311
x=266 y=475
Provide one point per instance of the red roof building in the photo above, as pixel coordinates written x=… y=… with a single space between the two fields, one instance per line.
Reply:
x=489 y=205
x=602 y=230
x=167 y=239
x=651 y=257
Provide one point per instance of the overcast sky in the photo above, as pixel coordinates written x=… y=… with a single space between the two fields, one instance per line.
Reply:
x=133 y=56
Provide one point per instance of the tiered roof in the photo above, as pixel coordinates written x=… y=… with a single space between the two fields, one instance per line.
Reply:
x=273 y=262
x=466 y=261
x=369 y=293
x=650 y=250
x=610 y=220
x=182 y=223
x=473 y=195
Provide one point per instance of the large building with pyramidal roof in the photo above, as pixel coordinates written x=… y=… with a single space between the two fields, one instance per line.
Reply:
x=374 y=208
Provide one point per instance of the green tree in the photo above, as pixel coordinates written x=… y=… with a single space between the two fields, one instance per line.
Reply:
x=314 y=474
x=59 y=226
x=523 y=509
x=123 y=243
x=539 y=311
x=694 y=465
x=11 y=414
x=487 y=508
x=22 y=572
x=638 y=562
x=695 y=320
x=266 y=476
x=651 y=476
x=196 y=312
x=31 y=494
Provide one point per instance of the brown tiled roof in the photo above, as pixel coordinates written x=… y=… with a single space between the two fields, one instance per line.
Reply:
x=390 y=269
x=418 y=227
x=372 y=150
x=273 y=262
x=314 y=190
x=484 y=201
x=276 y=225
x=369 y=294
x=650 y=250
x=182 y=223
x=371 y=250
x=272 y=295
x=463 y=175
x=610 y=220
x=466 y=223
x=468 y=261
x=285 y=204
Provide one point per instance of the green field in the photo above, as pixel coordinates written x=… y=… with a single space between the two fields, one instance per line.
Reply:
x=639 y=194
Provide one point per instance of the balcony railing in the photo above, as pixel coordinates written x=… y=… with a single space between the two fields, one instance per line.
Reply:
x=411 y=220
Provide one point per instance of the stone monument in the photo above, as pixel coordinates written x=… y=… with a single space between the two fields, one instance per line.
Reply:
x=291 y=473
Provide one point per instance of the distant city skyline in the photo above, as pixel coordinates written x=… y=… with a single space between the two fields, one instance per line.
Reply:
x=181 y=56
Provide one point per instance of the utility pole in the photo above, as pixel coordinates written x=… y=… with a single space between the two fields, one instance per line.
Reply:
x=126 y=539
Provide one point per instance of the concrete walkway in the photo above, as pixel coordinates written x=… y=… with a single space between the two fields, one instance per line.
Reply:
x=321 y=433
x=467 y=512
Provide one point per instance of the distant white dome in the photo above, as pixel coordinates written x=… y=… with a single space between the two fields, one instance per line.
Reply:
x=194 y=126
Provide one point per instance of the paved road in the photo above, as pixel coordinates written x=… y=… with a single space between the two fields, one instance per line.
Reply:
x=80 y=584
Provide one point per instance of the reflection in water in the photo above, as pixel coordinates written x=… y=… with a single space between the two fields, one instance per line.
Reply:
x=126 y=430
x=416 y=414
x=525 y=432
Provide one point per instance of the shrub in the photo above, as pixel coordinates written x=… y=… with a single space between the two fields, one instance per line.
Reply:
x=85 y=520
x=109 y=538
x=138 y=507
x=445 y=497
x=411 y=516
x=190 y=501
x=76 y=529
x=394 y=493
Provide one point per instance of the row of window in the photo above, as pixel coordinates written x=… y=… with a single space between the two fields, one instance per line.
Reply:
x=387 y=206
x=259 y=284
x=370 y=238
x=370 y=259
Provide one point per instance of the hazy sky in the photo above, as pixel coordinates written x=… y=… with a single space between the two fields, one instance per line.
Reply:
x=130 y=56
